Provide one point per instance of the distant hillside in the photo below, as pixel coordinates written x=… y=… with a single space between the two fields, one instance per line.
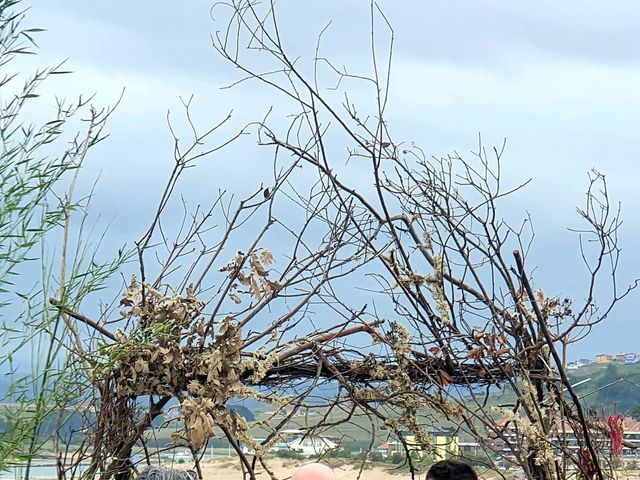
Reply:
x=612 y=388
x=607 y=389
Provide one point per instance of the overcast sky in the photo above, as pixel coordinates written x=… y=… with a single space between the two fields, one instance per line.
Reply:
x=558 y=80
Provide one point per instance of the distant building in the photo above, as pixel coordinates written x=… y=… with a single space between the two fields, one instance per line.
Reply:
x=444 y=443
x=602 y=358
x=578 y=363
x=387 y=449
x=306 y=445
x=246 y=449
x=626 y=358
x=469 y=447
x=565 y=435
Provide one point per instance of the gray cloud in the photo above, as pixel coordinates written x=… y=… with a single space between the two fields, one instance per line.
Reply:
x=559 y=80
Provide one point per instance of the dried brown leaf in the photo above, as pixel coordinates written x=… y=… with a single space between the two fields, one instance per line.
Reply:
x=244 y=279
x=257 y=266
x=254 y=290
x=476 y=353
x=266 y=258
x=130 y=296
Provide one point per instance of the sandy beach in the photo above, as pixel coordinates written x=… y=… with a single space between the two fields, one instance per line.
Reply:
x=226 y=469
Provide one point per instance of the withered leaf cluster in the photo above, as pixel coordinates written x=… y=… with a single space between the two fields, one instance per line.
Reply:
x=167 y=354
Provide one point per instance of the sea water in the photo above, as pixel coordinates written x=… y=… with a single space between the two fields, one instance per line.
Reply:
x=16 y=472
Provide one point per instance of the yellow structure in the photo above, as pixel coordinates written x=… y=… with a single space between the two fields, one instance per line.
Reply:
x=413 y=445
x=604 y=358
x=445 y=444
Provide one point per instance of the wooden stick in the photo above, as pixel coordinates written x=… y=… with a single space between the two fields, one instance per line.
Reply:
x=82 y=318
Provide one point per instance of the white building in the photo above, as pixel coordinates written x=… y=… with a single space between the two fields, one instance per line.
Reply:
x=311 y=445
x=306 y=445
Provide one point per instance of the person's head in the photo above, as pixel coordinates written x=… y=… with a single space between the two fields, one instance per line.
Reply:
x=314 y=471
x=451 y=470
x=158 y=473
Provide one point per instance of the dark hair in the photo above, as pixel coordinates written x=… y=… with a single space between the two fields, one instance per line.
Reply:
x=157 y=473
x=451 y=470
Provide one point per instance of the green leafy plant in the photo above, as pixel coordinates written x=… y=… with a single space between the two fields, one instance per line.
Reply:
x=39 y=165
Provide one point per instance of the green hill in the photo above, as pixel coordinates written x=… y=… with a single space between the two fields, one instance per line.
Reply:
x=609 y=388
x=606 y=389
